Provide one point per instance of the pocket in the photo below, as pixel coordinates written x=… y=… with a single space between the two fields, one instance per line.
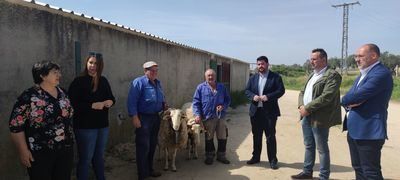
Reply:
x=149 y=94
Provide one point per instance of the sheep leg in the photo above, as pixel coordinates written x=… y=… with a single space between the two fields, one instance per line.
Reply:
x=189 y=145
x=166 y=159
x=194 y=147
x=173 y=160
x=160 y=151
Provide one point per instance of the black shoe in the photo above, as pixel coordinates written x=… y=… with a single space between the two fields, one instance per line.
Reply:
x=253 y=161
x=274 y=165
x=209 y=161
x=223 y=160
x=302 y=175
x=155 y=174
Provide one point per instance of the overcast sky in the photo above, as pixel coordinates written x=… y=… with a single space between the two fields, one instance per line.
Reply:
x=283 y=30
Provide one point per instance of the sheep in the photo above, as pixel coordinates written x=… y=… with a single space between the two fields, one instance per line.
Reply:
x=193 y=139
x=194 y=131
x=173 y=134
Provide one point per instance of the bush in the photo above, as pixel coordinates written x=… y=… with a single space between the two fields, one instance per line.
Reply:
x=238 y=98
x=290 y=71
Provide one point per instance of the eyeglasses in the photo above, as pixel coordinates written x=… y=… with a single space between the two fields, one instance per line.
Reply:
x=358 y=56
x=95 y=54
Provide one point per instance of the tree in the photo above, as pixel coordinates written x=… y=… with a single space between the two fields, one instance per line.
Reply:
x=334 y=62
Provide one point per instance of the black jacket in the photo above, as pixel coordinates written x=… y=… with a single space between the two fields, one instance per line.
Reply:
x=273 y=89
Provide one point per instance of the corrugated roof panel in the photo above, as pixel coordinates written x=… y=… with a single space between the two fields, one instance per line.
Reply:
x=77 y=13
x=54 y=7
x=67 y=10
x=39 y=3
x=108 y=22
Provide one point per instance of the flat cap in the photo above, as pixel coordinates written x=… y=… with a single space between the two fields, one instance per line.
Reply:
x=149 y=64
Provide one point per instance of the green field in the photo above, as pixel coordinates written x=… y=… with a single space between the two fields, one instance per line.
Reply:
x=297 y=83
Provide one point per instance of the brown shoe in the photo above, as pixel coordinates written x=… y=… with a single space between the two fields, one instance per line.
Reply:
x=302 y=175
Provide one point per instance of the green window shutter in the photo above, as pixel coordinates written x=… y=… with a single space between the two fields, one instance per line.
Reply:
x=77 y=58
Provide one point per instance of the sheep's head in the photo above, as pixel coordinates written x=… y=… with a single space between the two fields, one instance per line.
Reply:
x=196 y=128
x=176 y=118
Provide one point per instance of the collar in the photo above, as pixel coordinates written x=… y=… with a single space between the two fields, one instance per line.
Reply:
x=321 y=71
x=210 y=85
x=148 y=80
x=366 y=70
x=264 y=74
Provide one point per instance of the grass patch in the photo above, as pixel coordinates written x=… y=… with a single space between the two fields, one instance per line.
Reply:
x=294 y=83
x=238 y=98
x=396 y=89
x=297 y=83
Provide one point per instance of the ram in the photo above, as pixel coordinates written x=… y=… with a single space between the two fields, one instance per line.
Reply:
x=173 y=135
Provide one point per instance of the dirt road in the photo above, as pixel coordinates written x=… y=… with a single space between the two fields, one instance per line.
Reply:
x=290 y=151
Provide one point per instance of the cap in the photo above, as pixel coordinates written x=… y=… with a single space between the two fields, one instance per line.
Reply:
x=149 y=64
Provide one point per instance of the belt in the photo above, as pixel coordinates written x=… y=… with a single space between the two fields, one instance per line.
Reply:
x=148 y=114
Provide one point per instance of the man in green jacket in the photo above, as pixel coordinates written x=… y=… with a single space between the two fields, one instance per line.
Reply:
x=319 y=107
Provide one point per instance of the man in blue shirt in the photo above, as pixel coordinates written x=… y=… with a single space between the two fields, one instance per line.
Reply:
x=210 y=102
x=145 y=100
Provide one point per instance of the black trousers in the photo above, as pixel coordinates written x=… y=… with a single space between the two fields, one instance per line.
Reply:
x=261 y=123
x=53 y=165
x=366 y=158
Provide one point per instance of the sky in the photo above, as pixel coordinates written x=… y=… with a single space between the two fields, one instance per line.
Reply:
x=283 y=30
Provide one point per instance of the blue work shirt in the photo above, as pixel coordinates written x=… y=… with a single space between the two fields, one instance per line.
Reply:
x=205 y=102
x=145 y=97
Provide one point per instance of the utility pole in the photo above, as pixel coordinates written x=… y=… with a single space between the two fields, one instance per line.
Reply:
x=345 y=33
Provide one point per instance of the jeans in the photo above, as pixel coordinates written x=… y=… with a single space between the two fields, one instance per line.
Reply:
x=366 y=158
x=91 y=145
x=146 y=142
x=316 y=138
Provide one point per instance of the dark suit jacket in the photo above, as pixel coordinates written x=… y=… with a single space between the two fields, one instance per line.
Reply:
x=368 y=120
x=273 y=89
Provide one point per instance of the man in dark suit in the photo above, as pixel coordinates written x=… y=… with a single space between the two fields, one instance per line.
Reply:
x=263 y=90
x=367 y=102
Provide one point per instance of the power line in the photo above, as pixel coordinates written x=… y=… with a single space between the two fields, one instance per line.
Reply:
x=345 y=33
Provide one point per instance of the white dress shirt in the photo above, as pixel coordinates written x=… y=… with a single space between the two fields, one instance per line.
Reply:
x=307 y=98
x=365 y=71
x=261 y=84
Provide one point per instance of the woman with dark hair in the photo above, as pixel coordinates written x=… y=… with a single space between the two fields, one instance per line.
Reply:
x=41 y=126
x=91 y=97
